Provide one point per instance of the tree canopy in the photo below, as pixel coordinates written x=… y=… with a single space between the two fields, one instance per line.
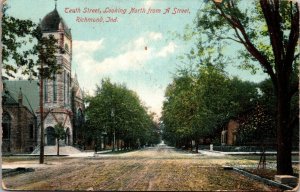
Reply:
x=25 y=47
x=117 y=110
x=198 y=104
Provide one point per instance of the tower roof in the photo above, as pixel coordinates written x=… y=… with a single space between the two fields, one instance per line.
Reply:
x=51 y=22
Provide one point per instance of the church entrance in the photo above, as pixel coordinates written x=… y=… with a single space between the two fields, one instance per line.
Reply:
x=50 y=136
x=67 y=138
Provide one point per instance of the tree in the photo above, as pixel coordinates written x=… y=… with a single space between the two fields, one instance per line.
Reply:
x=268 y=30
x=17 y=34
x=1 y=65
x=179 y=110
x=256 y=126
x=199 y=103
x=59 y=133
x=119 y=112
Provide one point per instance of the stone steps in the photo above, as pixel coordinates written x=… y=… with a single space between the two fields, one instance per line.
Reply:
x=52 y=150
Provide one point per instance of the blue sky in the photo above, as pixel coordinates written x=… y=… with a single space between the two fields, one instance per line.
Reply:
x=138 y=50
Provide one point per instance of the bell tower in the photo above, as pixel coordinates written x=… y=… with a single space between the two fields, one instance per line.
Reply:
x=57 y=90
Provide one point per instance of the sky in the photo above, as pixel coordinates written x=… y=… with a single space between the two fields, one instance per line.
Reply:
x=139 y=49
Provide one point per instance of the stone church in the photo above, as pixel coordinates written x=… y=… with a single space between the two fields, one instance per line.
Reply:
x=63 y=99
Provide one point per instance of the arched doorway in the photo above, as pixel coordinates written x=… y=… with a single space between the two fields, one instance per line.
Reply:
x=50 y=136
x=6 y=124
x=6 y=132
x=67 y=138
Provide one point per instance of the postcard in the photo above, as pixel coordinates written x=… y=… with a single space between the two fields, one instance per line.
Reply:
x=150 y=95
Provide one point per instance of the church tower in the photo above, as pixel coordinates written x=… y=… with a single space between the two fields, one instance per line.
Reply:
x=57 y=91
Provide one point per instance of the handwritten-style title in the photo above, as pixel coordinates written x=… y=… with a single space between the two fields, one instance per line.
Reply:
x=110 y=12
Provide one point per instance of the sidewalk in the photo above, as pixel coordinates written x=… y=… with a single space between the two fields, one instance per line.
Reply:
x=35 y=163
x=211 y=153
x=222 y=153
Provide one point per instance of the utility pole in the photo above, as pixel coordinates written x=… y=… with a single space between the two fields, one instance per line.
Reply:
x=114 y=133
x=42 y=113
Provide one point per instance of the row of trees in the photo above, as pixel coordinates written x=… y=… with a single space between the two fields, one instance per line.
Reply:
x=117 y=112
x=199 y=103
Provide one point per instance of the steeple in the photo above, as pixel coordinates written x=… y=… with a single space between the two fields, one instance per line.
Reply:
x=55 y=4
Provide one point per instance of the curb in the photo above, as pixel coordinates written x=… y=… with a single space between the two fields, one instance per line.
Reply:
x=264 y=180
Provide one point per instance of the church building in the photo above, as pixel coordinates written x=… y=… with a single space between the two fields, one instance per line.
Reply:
x=63 y=98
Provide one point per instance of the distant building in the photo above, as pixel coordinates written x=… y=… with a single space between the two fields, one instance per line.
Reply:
x=63 y=98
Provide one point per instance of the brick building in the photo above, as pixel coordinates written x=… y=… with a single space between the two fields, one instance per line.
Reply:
x=19 y=120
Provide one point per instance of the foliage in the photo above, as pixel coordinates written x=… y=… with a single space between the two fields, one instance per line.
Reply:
x=59 y=132
x=27 y=51
x=25 y=47
x=198 y=104
x=116 y=109
x=266 y=34
x=257 y=127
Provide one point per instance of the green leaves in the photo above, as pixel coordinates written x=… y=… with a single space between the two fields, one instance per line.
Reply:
x=198 y=104
x=118 y=109
x=24 y=48
x=59 y=131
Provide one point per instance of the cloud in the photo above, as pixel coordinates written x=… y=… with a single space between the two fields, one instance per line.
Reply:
x=131 y=60
x=155 y=36
x=134 y=56
x=149 y=3
x=87 y=46
x=170 y=48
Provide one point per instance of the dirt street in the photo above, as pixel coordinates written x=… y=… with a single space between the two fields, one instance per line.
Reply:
x=158 y=168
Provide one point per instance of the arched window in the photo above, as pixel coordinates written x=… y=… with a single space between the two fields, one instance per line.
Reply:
x=65 y=86
x=31 y=131
x=68 y=137
x=68 y=88
x=6 y=124
x=79 y=117
x=45 y=90
x=54 y=88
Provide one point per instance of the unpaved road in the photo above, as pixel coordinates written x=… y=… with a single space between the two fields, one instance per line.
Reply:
x=159 y=168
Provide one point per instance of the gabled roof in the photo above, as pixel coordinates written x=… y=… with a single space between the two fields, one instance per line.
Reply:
x=29 y=89
x=76 y=88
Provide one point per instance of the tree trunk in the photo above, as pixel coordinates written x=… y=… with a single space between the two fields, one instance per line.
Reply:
x=57 y=147
x=284 y=131
x=197 y=145
x=118 y=144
